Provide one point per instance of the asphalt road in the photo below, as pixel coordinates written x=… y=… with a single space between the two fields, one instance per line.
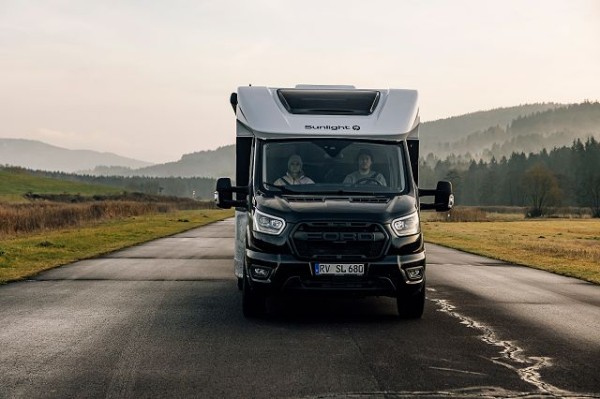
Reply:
x=164 y=320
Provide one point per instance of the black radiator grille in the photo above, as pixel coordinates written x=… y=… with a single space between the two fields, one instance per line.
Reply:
x=341 y=241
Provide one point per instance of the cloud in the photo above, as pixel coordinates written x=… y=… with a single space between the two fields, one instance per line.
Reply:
x=152 y=80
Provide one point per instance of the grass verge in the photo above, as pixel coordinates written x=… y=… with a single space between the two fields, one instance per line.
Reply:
x=14 y=182
x=570 y=247
x=23 y=256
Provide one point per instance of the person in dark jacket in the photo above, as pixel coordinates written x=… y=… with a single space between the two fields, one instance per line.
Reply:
x=364 y=174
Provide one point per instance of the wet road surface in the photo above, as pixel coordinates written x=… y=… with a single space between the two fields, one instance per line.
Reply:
x=164 y=319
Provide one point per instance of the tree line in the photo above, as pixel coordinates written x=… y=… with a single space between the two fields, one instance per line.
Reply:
x=185 y=187
x=189 y=187
x=565 y=176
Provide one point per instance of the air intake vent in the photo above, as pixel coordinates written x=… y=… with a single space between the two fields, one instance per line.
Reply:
x=367 y=200
x=370 y=200
x=340 y=241
x=329 y=102
x=304 y=199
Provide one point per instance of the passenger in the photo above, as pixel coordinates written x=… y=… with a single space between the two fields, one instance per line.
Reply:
x=364 y=174
x=294 y=174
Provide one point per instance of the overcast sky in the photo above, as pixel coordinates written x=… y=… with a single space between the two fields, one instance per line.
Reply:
x=151 y=79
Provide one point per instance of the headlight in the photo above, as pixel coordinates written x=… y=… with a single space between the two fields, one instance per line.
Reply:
x=267 y=224
x=406 y=225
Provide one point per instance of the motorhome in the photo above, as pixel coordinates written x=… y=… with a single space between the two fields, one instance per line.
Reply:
x=326 y=195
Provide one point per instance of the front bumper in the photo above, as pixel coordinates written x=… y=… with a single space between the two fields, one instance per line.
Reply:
x=285 y=274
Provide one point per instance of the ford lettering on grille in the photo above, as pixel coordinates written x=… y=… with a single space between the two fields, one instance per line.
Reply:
x=333 y=236
x=339 y=240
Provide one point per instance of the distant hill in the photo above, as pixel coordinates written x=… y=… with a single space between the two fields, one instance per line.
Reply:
x=478 y=135
x=481 y=134
x=555 y=126
x=38 y=155
x=216 y=163
x=211 y=163
x=454 y=128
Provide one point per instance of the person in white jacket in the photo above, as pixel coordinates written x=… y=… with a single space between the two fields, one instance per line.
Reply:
x=295 y=174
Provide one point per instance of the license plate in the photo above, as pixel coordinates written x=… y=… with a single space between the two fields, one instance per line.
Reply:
x=339 y=269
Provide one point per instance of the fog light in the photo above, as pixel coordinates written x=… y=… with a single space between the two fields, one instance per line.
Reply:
x=260 y=273
x=415 y=273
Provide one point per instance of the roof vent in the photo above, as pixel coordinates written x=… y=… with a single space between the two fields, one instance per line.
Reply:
x=329 y=101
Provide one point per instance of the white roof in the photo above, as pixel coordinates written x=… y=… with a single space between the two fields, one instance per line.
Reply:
x=260 y=112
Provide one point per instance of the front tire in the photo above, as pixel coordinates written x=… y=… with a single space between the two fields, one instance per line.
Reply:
x=253 y=303
x=411 y=306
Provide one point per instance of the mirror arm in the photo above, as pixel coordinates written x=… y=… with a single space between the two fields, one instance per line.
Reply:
x=240 y=190
x=425 y=192
x=425 y=207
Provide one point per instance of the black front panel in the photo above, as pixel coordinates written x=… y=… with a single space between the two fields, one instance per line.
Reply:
x=339 y=241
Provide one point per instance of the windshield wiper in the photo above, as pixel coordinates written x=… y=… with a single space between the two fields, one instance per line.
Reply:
x=349 y=192
x=283 y=189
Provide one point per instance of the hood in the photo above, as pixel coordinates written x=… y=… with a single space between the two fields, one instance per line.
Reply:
x=348 y=207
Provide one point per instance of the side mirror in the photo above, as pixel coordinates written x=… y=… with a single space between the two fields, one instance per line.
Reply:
x=224 y=194
x=444 y=198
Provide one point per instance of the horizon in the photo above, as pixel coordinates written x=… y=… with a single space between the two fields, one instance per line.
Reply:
x=233 y=143
x=152 y=82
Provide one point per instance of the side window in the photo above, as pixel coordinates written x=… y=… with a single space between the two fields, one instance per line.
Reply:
x=272 y=164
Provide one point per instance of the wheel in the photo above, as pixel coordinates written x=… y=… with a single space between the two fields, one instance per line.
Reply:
x=253 y=303
x=368 y=180
x=411 y=306
x=240 y=280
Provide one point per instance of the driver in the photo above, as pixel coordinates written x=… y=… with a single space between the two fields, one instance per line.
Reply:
x=364 y=174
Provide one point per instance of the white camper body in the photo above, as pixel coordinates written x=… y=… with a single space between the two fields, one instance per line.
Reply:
x=261 y=113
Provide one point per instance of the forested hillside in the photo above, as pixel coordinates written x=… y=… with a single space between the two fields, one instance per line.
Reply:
x=554 y=127
x=479 y=135
x=452 y=129
x=565 y=176
x=488 y=155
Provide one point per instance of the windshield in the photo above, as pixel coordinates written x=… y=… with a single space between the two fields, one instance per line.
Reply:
x=331 y=166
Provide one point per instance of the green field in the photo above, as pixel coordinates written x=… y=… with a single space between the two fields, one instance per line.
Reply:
x=566 y=246
x=14 y=183
x=24 y=256
x=570 y=247
x=24 y=253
